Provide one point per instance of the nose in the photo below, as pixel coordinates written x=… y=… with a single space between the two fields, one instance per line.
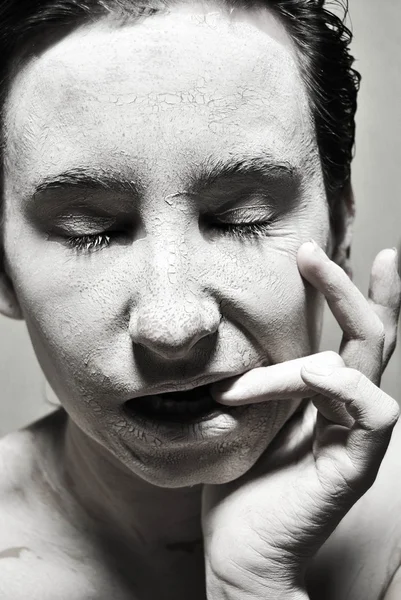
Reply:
x=170 y=325
x=172 y=311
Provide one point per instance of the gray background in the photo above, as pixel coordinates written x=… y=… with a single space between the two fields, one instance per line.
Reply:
x=377 y=184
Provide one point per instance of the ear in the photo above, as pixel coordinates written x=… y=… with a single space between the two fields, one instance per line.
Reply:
x=342 y=220
x=9 y=305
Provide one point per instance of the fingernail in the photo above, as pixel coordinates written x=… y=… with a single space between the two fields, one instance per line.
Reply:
x=318 y=369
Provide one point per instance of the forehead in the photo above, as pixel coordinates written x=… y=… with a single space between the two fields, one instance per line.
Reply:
x=160 y=92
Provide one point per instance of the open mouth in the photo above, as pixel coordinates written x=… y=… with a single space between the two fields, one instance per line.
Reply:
x=190 y=405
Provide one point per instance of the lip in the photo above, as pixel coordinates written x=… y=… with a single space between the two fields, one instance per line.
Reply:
x=172 y=386
x=217 y=424
x=221 y=423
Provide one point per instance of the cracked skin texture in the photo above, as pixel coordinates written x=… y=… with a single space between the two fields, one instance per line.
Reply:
x=169 y=302
x=151 y=103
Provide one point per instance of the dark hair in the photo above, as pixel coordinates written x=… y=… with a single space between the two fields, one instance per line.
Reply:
x=321 y=38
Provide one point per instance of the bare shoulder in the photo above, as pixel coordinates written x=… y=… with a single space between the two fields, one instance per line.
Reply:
x=361 y=557
x=22 y=456
x=31 y=533
x=47 y=551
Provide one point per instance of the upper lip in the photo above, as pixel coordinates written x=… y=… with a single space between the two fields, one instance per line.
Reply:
x=182 y=386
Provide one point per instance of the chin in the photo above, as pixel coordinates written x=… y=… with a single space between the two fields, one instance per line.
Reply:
x=186 y=473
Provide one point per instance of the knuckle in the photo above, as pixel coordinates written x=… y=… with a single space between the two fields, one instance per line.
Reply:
x=384 y=410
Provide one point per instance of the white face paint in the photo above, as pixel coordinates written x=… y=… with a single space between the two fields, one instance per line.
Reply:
x=172 y=297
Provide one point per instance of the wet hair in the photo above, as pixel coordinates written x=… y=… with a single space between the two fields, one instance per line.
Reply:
x=321 y=38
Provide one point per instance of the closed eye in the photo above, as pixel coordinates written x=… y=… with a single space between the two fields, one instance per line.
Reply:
x=244 y=231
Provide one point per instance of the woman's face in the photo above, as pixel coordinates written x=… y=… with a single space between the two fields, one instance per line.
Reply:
x=159 y=180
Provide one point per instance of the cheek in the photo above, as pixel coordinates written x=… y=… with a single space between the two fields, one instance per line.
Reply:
x=265 y=295
x=291 y=314
x=66 y=312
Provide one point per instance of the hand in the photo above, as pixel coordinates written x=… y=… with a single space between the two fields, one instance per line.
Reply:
x=261 y=530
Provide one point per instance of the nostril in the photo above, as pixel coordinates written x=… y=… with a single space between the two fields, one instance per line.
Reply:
x=170 y=343
x=166 y=349
x=173 y=332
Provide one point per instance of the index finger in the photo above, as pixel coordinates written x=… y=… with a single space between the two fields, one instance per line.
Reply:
x=363 y=331
x=281 y=381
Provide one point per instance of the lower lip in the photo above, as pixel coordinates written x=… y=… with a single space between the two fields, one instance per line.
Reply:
x=218 y=422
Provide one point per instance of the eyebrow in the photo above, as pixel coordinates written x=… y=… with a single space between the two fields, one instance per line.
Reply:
x=87 y=178
x=201 y=177
x=259 y=166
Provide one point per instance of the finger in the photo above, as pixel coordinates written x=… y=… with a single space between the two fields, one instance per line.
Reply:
x=280 y=381
x=374 y=414
x=385 y=297
x=363 y=332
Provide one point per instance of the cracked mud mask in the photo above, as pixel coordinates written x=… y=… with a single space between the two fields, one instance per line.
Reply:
x=160 y=177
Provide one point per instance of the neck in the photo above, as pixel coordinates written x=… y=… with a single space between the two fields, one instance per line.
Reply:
x=148 y=537
x=145 y=516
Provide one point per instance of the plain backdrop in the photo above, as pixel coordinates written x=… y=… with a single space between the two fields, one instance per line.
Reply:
x=377 y=185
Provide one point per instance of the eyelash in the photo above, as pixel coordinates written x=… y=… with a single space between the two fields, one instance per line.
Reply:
x=244 y=231
x=92 y=243
x=89 y=243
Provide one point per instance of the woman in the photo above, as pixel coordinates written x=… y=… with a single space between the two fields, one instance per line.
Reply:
x=165 y=168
